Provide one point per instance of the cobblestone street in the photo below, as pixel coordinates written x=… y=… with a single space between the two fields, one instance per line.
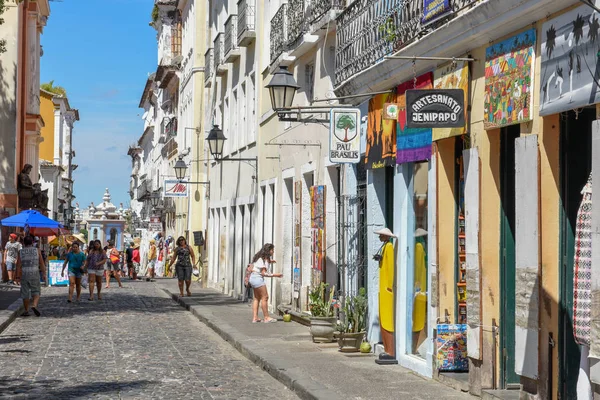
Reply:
x=134 y=344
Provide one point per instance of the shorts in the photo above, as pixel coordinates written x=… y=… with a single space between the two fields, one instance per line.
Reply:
x=76 y=275
x=256 y=281
x=151 y=264
x=30 y=287
x=183 y=273
x=96 y=272
x=135 y=267
x=111 y=267
x=11 y=266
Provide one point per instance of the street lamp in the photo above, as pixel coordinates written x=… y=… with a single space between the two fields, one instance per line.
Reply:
x=282 y=89
x=180 y=169
x=155 y=200
x=216 y=140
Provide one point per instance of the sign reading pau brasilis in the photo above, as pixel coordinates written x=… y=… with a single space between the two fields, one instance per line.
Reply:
x=344 y=137
x=435 y=108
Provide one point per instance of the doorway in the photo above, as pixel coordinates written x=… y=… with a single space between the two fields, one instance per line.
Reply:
x=509 y=378
x=575 y=166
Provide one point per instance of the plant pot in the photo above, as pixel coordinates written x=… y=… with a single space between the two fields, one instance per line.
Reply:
x=322 y=329
x=350 y=342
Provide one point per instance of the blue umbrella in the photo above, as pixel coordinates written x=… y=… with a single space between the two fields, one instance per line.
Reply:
x=39 y=224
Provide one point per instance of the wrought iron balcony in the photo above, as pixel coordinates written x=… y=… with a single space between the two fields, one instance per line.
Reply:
x=143 y=190
x=279 y=30
x=219 y=46
x=320 y=7
x=232 y=50
x=209 y=57
x=297 y=20
x=246 y=29
x=368 y=30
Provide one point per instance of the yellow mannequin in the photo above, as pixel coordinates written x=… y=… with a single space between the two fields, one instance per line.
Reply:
x=420 y=300
x=386 y=287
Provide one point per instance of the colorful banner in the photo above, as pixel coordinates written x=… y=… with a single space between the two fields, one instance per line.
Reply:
x=344 y=138
x=54 y=270
x=509 y=81
x=381 y=134
x=297 y=276
x=570 y=63
x=434 y=9
x=317 y=233
x=450 y=77
x=414 y=144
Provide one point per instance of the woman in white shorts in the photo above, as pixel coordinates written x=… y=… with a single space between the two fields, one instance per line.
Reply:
x=261 y=262
x=95 y=268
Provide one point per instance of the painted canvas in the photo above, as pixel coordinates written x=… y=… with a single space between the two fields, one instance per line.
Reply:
x=413 y=144
x=381 y=134
x=317 y=231
x=570 y=74
x=509 y=81
x=452 y=77
x=297 y=272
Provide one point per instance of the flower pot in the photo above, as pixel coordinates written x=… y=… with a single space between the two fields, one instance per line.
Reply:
x=350 y=342
x=322 y=329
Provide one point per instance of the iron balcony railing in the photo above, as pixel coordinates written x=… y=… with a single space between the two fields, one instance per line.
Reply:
x=279 y=30
x=246 y=18
x=318 y=8
x=297 y=24
x=208 y=64
x=368 y=30
x=219 y=46
x=231 y=26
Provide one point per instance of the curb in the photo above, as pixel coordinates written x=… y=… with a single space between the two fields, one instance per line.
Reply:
x=10 y=314
x=293 y=378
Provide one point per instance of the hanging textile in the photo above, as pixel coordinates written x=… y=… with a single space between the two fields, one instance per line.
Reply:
x=582 y=274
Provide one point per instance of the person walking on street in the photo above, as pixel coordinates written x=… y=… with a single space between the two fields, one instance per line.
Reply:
x=30 y=265
x=183 y=267
x=75 y=259
x=135 y=257
x=261 y=263
x=11 y=253
x=95 y=268
x=129 y=260
x=151 y=260
x=112 y=264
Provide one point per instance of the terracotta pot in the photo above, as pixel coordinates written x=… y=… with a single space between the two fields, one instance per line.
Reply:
x=350 y=342
x=322 y=329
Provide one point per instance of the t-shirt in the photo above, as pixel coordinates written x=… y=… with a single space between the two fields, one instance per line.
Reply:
x=129 y=254
x=93 y=258
x=136 y=256
x=30 y=263
x=75 y=261
x=259 y=265
x=12 y=251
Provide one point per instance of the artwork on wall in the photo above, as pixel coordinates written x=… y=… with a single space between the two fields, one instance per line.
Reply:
x=509 y=81
x=317 y=232
x=413 y=144
x=452 y=77
x=381 y=134
x=297 y=271
x=570 y=74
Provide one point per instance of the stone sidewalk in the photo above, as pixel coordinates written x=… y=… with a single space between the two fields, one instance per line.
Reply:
x=10 y=304
x=313 y=371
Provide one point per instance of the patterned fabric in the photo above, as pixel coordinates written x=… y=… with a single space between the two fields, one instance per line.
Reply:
x=582 y=274
x=30 y=263
x=93 y=259
x=12 y=251
x=183 y=256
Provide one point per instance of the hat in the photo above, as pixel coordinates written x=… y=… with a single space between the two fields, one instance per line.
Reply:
x=13 y=235
x=152 y=241
x=385 y=232
x=135 y=246
x=420 y=232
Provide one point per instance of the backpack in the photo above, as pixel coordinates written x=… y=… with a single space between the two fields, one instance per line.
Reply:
x=114 y=256
x=249 y=269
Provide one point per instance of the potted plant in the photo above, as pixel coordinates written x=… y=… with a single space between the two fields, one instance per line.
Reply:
x=322 y=319
x=352 y=329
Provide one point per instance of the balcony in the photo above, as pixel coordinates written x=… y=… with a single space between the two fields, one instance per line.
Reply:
x=279 y=33
x=143 y=190
x=297 y=22
x=246 y=22
x=320 y=8
x=219 y=46
x=209 y=63
x=232 y=51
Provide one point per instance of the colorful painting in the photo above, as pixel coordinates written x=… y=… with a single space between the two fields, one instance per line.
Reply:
x=414 y=144
x=317 y=233
x=452 y=77
x=381 y=134
x=509 y=81
x=570 y=74
x=451 y=344
x=297 y=275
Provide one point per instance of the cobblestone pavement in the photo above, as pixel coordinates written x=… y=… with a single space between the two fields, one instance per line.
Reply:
x=134 y=344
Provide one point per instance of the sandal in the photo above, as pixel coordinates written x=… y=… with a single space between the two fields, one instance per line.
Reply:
x=90 y=299
x=255 y=321
x=25 y=314
x=270 y=321
x=36 y=311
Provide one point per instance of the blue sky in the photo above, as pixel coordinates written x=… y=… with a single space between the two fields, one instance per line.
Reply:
x=101 y=52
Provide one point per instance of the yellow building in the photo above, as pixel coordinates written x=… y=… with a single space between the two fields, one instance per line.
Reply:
x=47 y=108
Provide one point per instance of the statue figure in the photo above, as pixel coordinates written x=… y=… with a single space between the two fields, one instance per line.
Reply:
x=25 y=188
x=24 y=179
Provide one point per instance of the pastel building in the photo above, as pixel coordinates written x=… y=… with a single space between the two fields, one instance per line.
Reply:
x=106 y=222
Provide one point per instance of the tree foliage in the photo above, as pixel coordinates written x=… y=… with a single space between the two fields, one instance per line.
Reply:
x=49 y=87
x=2 y=41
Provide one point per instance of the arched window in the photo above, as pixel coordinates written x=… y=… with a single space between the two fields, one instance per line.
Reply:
x=95 y=234
x=113 y=235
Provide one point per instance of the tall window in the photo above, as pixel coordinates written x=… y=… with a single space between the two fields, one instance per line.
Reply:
x=243 y=116
x=233 y=118
x=309 y=81
x=252 y=108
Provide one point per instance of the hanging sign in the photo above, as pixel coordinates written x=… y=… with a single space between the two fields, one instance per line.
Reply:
x=435 y=9
x=390 y=111
x=435 y=108
x=155 y=227
x=155 y=219
x=344 y=137
x=174 y=188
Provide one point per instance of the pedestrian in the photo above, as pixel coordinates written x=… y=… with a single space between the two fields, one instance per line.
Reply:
x=135 y=254
x=183 y=267
x=75 y=259
x=112 y=264
x=261 y=264
x=129 y=260
x=11 y=253
x=151 y=259
x=30 y=265
x=95 y=267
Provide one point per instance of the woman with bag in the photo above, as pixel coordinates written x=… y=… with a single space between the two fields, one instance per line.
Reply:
x=75 y=259
x=260 y=265
x=95 y=268
x=183 y=267
x=112 y=264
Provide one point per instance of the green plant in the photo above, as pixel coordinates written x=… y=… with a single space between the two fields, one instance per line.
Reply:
x=58 y=90
x=388 y=29
x=84 y=232
x=155 y=13
x=355 y=310
x=321 y=305
x=2 y=41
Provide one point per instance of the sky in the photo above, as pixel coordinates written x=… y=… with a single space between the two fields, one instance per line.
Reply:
x=101 y=52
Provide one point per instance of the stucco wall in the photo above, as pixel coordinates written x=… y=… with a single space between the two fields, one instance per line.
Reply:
x=47 y=113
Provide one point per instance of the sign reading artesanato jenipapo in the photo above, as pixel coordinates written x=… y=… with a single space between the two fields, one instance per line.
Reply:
x=435 y=108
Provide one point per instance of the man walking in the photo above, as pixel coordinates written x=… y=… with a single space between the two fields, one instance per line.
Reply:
x=11 y=253
x=29 y=266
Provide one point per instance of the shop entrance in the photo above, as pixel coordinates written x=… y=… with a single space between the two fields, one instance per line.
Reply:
x=575 y=166
x=507 y=255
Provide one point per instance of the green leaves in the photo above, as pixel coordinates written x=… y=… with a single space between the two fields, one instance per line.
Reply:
x=319 y=305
